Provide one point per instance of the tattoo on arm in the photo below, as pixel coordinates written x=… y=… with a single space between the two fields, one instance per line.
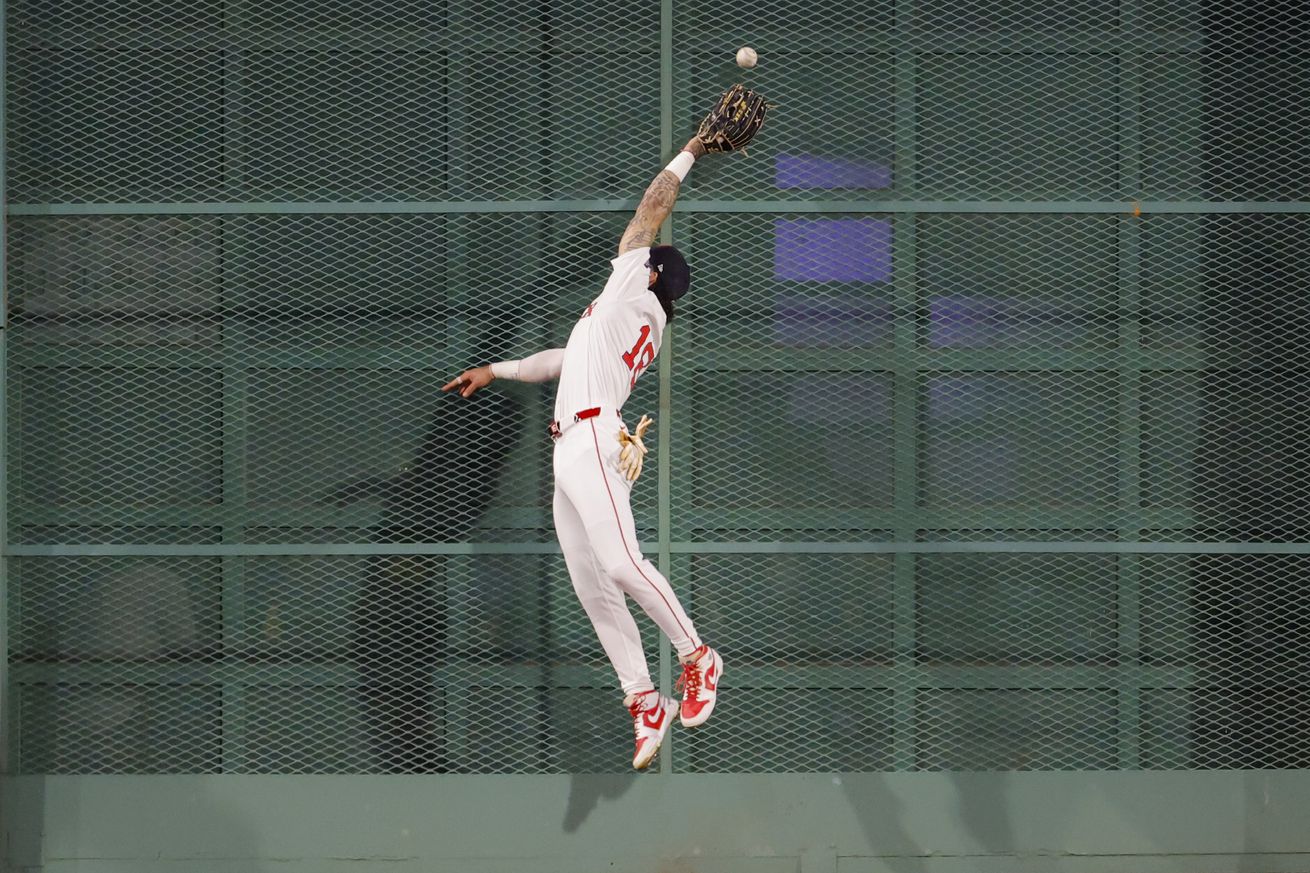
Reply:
x=655 y=206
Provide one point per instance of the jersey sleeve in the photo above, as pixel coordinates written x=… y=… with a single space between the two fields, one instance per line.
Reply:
x=541 y=367
x=630 y=276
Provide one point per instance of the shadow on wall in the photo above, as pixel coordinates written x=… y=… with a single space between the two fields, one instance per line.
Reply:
x=880 y=814
x=38 y=821
x=143 y=613
x=22 y=822
x=982 y=809
x=587 y=790
x=401 y=617
x=140 y=615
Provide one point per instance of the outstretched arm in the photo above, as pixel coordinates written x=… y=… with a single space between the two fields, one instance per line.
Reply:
x=657 y=202
x=731 y=125
x=541 y=367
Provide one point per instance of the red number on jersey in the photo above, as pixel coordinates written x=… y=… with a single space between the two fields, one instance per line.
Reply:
x=637 y=364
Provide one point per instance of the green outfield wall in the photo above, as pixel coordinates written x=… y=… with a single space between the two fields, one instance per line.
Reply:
x=980 y=448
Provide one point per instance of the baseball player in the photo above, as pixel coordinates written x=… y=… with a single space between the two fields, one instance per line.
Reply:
x=597 y=459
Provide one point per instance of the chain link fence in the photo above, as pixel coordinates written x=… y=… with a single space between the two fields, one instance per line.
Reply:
x=982 y=431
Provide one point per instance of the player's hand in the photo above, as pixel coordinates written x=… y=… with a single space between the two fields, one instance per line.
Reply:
x=470 y=381
x=634 y=450
x=734 y=120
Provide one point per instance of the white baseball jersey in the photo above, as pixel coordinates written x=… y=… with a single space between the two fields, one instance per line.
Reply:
x=613 y=343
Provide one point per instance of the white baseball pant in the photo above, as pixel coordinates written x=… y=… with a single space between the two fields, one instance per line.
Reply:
x=593 y=520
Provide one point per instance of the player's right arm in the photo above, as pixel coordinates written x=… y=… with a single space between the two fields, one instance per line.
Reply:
x=541 y=367
x=657 y=202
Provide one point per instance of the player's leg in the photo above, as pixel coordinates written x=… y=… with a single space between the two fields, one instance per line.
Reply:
x=651 y=712
x=602 y=600
x=600 y=495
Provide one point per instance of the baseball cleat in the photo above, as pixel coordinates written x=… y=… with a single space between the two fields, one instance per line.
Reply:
x=652 y=713
x=700 y=685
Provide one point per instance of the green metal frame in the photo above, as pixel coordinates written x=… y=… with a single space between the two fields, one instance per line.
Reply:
x=8 y=720
x=907 y=364
x=967 y=207
x=905 y=393
x=1130 y=393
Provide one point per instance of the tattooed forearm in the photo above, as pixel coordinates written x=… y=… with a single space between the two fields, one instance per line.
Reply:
x=655 y=206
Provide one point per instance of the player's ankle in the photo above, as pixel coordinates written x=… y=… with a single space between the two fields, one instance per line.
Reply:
x=632 y=698
x=694 y=655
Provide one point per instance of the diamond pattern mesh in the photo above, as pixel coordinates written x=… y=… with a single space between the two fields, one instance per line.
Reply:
x=963 y=463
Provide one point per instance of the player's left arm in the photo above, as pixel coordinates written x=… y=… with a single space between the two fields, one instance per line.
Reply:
x=541 y=367
x=730 y=125
x=657 y=203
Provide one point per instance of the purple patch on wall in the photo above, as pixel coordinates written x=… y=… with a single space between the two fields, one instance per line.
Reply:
x=832 y=249
x=993 y=322
x=846 y=320
x=813 y=171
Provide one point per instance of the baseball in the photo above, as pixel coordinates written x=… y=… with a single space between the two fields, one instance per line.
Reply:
x=746 y=57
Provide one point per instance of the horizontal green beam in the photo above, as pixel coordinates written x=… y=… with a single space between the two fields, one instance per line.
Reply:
x=744 y=675
x=925 y=40
x=867 y=204
x=367 y=515
x=281 y=549
x=426 y=38
x=1187 y=207
x=322 y=673
x=731 y=357
x=677 y=548
x=363 y=514
x=320 y=208
x=706 y=517
x=737 y=357
x=944 y=548
x=597 y=41
x=215 y=358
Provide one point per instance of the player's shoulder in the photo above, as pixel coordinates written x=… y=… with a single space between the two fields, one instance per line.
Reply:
x=629 y=259
x=630 y=275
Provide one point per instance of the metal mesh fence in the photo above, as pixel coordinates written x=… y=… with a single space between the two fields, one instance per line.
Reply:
x=966 y=461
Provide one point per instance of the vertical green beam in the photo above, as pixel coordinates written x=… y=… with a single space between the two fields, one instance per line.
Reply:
x=458 y=88
x=905 y=181
x=235 y=412
x=6 y=722
x=905 y=422
x=235 y=382
x=1130 y=453
x=234 y=694
x=666 y=367
x=459 y=345
x=905 y=414
x=236 y=403
x=1130 y=388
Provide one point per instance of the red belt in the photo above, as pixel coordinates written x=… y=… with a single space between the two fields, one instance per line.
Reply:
x=582 y=415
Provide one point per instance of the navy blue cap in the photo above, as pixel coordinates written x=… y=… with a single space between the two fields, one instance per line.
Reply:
x=674 y=274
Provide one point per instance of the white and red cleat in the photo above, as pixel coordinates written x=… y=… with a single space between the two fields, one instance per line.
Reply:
x=700 y=685
x=652 y=713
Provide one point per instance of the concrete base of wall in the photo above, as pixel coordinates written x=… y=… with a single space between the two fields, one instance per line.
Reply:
x=1213 y=822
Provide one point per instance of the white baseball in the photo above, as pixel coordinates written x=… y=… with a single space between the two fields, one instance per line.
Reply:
x=746 y=57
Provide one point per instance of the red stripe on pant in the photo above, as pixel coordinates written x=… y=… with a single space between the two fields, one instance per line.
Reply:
x=619 y=523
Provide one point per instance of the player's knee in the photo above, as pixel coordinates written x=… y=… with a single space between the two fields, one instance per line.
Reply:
x=627 y=574
x=593 y=603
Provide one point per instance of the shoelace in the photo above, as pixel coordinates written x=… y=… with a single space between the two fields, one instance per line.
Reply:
x=637 y=709
x=689 y=682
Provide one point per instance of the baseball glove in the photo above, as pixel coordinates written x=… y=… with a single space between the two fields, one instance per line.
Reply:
x=733 y=122
x=634 y=450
